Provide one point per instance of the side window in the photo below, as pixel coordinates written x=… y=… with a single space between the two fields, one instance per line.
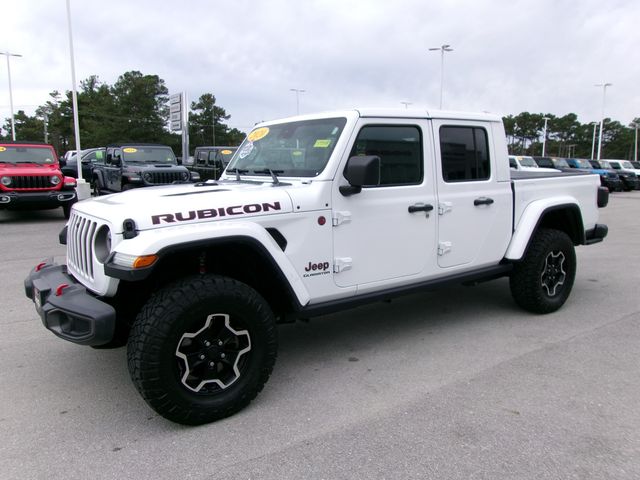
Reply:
x=400 y=151
x=465 y=154
x=202 y=158
x=512 y=163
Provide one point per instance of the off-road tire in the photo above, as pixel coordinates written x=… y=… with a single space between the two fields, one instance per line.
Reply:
x=95 y=187
x=66 y=209
x=542 y=281
x=182 y=309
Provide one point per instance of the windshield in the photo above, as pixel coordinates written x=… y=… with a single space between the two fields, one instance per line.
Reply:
x=149 y=155
x=528 y=162
x=21 y=154
x=627 y=164
x=583 y=164
x=295 y=149
x=225 y=155
x=560 y=163
x=605 y=164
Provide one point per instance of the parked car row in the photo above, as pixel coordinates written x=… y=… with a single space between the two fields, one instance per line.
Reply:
x=120 y=167
x=616 y=175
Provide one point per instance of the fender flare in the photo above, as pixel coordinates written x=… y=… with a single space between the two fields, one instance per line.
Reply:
x=532 y=217
x=166 y=241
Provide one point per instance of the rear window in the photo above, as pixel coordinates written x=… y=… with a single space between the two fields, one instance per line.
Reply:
x=22 y=154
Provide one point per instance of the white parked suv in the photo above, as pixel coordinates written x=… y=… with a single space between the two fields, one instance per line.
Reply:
x=314 y=214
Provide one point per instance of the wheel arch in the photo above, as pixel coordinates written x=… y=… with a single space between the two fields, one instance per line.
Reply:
x=242 y=258
x=565 y=217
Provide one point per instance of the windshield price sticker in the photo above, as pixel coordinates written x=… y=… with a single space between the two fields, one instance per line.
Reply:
x=258 y=134
x=246 y=150
x=322 y=143
x=2 y=149
x=129 y=150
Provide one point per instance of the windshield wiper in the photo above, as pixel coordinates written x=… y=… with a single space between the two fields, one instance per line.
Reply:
x=268 y=171
x=238 y=172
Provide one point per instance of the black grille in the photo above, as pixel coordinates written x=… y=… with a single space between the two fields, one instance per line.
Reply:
x=160 y=178
x=30 y=182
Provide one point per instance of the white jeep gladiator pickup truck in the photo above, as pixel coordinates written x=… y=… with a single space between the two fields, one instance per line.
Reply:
x=314 y=214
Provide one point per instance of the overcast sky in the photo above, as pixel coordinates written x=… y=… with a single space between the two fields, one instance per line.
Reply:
x=540 y=56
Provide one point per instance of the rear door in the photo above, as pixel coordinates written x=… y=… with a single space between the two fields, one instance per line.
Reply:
x=474 y=208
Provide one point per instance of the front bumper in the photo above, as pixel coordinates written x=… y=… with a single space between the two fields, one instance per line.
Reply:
x=66 y=308
x=36 y=200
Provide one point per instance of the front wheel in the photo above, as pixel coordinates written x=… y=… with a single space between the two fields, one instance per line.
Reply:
x=202 y=348
x=542 y=281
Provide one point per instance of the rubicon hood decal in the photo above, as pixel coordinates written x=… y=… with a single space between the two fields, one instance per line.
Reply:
x=233 y=210
x=181 y=204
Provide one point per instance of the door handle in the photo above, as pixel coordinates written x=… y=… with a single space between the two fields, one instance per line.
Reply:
x=483 y=201
x=420 y=207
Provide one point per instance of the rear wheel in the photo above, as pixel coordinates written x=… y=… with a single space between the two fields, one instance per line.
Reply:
x=202 y=348
x=542 y=281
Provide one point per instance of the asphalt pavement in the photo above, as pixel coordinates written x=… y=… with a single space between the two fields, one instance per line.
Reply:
x=454 y=384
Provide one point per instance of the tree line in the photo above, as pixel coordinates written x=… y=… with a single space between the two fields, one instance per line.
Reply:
x=133 y=109
x=567 y=137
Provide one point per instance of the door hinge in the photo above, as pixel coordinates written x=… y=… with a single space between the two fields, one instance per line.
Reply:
x=444 y=247
x=342 y=264
x=340 y=217
x=444 y=207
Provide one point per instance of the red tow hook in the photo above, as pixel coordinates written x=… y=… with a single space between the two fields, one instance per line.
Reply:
x=60 y=288
x=40 y=266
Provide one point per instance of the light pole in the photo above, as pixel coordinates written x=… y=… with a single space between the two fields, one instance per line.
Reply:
x=298 y=92
x=82 y=187
x=593 y=142
x=406 y=104
x=635 y=145
x=442 y=49
x=13 y=124
x=544 y=135
x=604 y=92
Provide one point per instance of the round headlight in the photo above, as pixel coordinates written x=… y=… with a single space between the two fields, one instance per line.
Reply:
x=55 y=180
x=6 y=181
x=102 y=243
x=185 y=175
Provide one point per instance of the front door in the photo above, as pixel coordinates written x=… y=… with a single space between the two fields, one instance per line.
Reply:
x=386 y=232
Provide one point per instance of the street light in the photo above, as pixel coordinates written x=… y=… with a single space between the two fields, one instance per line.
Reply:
x=82 y=187
x=635 y=145
x=13 y=124
x=593 y=142
x=544 y=134
x=406 y=104
x=604 y=92
x=298 y=92
x=442 y=49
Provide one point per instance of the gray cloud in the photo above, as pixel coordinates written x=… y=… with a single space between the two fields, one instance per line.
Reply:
x=509 y=56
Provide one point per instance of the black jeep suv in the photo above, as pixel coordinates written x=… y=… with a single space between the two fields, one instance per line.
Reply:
x=135 y=165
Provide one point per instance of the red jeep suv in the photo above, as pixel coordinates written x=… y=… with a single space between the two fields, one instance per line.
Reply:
x=30 y=178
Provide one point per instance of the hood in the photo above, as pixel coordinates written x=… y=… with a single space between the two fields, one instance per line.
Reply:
x=29 y=169
x=173 y=205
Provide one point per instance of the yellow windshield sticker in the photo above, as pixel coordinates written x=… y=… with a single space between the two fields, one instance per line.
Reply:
x=322 y=143
x=296 y=153
x=258 y=134
x=129 y=150
x=226 y=152
x=2 y=149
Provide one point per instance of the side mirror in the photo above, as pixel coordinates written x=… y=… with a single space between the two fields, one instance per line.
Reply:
x=359 y=172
